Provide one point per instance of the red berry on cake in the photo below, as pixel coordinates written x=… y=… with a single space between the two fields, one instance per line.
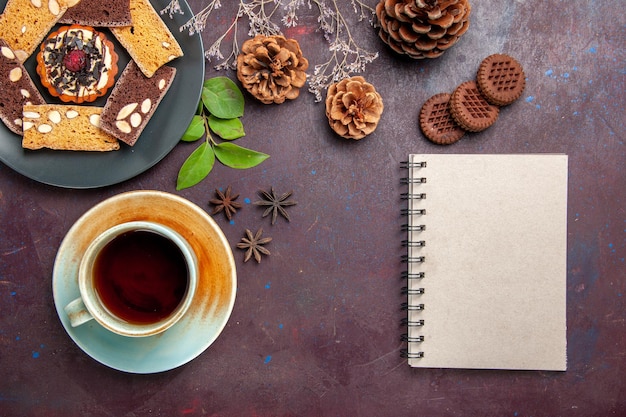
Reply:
x=75 y=60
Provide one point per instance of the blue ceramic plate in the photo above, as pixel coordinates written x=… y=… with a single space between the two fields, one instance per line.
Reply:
x=210 y=309
x=169 y=122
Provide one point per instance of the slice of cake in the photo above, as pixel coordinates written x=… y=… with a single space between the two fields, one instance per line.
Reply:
x=101 y=13
x=65 y=127
x=133 y=101
x=148 y=41
x=17 y=89
x=24 y=23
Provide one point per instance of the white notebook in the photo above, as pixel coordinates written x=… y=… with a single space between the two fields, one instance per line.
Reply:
x=486 y=261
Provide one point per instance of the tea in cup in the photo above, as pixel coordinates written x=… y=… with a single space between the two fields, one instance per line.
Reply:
x=135 y=279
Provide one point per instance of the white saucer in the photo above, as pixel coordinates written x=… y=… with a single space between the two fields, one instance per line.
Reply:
x=213 y=302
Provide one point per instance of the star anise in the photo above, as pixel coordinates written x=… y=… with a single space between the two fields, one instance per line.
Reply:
x=225 y=202
x=275 y=204
x=253 y=244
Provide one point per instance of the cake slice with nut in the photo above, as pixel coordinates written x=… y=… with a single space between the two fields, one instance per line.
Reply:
x=134 y=100
x=101 y=13
x=17 y=89
x=24 y=23
x=65 y=127
x=148 y=41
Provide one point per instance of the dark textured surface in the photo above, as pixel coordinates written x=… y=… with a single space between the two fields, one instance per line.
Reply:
x=315 y=329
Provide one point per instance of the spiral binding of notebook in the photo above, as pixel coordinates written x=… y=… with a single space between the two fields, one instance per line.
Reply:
x=414 y=227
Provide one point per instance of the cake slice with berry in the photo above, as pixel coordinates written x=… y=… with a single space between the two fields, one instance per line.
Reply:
x=17 y=89
x=77 y=64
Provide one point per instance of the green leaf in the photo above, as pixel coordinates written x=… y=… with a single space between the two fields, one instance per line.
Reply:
x=196 y=167
x=195 y=130
x=222 y=98
x=238 y=157
x=228 y=129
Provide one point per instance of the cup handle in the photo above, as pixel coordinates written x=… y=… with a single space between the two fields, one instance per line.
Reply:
x=77 y=312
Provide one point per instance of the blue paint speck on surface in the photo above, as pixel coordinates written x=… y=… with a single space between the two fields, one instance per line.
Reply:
x=313 y=172
x=267 y=360
x=593 y=50
x=268 y=285
x=280 y=325
x=246 y=200
x=35 y=355
x=530 y=99
x=549 y=72
x=13 y=292
x=7 y=399
x=231 y=222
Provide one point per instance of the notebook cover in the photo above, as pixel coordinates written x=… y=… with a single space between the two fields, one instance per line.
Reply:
x=494 y=285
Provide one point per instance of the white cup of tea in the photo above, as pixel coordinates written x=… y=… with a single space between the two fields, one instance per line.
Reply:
x=135 y=279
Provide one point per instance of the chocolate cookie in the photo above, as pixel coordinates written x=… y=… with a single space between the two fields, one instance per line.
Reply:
x=470 y=109
x=501 y=79
x=436 y=122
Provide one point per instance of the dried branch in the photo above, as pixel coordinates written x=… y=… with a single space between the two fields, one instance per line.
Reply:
x=347 y=57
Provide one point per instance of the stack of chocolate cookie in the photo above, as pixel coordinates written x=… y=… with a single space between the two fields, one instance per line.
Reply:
x=474 y=105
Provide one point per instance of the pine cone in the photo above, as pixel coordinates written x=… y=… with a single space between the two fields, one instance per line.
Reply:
x=353 y=107
x=422 y=28
x=272 y=68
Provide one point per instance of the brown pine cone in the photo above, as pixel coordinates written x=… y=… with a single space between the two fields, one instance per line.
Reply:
x=353 y=107
x=272 y=68
x=422 y=28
